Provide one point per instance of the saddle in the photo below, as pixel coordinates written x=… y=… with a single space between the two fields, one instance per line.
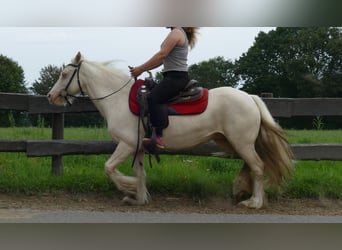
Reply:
x=191 y=100
x=190 y=93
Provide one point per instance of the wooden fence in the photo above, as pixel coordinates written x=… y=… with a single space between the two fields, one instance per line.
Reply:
x=57 y=147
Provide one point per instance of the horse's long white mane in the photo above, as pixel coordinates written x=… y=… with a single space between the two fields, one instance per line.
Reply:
x=110 y=67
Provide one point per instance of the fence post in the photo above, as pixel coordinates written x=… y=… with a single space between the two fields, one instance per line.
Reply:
x=57 y=134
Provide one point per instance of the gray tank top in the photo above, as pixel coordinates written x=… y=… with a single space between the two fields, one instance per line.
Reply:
x=178 y=57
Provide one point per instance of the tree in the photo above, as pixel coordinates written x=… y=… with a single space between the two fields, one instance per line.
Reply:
x=12 y=78
x=215 y=72
x=332 y=78
x=294 y=62
x=48 y=77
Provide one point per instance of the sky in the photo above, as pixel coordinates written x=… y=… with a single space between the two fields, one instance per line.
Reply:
x=36 y=47
x=37 y=33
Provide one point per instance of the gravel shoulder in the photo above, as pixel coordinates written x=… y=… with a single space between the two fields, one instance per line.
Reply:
x=93 y=202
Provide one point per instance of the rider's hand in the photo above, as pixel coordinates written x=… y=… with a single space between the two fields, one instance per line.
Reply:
x=136 y=71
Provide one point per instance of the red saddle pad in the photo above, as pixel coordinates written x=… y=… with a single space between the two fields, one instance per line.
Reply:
x=188 y=108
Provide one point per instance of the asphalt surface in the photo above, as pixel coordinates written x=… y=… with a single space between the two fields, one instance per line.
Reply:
x=36 y=216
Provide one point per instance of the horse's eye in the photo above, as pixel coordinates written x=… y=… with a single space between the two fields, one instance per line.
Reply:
x=64 y=74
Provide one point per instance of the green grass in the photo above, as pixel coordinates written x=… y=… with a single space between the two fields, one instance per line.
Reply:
x=176 y=175
x=197 y=176
x=314 y=136
x=314 y=179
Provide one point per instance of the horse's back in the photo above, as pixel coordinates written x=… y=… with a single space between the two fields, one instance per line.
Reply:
x=229 y=97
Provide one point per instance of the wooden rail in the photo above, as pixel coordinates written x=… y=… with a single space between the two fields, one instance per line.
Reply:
x=57 y=147
x=279 y=107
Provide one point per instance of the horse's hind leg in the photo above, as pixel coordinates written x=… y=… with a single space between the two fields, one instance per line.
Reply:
x=252 y=159
x=243 y=183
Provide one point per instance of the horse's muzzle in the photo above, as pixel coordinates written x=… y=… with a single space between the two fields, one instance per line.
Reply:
x=54 y=97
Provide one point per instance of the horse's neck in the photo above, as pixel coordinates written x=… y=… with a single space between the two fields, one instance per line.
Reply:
x=101 y=83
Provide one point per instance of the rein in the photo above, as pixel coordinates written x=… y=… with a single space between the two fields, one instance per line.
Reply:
x=77 y=73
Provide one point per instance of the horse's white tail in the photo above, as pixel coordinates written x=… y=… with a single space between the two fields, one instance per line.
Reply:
x=272 y=146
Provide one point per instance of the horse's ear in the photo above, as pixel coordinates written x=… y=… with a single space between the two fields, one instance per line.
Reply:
x=78 y=58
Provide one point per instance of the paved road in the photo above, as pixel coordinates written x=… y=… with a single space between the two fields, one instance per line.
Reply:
x=35 y=216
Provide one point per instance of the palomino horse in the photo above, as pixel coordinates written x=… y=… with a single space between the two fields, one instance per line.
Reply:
x=238 y=122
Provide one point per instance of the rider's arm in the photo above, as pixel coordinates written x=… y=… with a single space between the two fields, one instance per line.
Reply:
x=174 y=38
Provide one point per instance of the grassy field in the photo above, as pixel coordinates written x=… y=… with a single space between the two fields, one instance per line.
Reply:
x=176 y=175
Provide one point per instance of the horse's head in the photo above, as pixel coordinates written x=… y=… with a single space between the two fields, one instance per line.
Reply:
x=68 y=84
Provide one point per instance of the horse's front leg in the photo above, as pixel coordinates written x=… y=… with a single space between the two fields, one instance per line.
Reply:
x=127 y=184
x=142 y=195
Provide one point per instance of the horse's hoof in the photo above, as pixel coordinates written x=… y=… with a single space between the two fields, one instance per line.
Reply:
x=128 y=201
x=241 y=196
x=251 y=203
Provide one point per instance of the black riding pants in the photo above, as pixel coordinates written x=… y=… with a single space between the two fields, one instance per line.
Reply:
x=173 y=82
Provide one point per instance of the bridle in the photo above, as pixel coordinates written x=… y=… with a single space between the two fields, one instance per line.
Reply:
x=77 y=74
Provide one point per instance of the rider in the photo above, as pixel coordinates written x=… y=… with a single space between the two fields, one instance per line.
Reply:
x=173 y=54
